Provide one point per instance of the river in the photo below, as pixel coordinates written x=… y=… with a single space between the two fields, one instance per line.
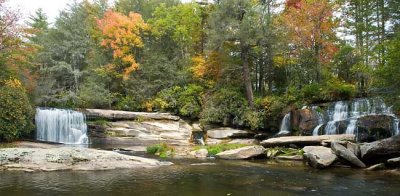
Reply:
x=259 y=177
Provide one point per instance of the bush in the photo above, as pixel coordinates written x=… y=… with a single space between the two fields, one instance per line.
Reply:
x=226 y=106
x=16 y=112
x=161 y=149
x=312 y=93
x=184 y=101
x=339 y=90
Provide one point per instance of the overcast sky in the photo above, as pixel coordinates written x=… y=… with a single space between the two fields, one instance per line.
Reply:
x=50 y=7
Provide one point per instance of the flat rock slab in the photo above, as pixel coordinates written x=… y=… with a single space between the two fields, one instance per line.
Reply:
x=319 y=156
x=305 y=140
x=394 y=161
x=125 y=115
x=242 y=153
x=70 y=158
x=346 y=154
x=226 y=132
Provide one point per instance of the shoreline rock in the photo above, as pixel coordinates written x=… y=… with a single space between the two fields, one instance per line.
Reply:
x=70 y=158
x=346 y=154
x=114 y=115
x=242 y=153
x=319 y=157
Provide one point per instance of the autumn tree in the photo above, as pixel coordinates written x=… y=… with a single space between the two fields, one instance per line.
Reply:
x=122 y=34
x=310 y=25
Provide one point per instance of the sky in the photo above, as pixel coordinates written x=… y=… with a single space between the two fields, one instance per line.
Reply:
x=50 y=7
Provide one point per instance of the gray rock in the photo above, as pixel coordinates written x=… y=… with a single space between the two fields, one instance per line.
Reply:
x=202 y=153
x=226 y=132
x=243 y=141
x=319 y=156
x=381 y=150
x=125 y=115
x=305 y=140
x=379 y=166
x=354 y=148
x=346 y=154
x=70 y=158
x=242 y=153
x=394 y=162
x=293 y=158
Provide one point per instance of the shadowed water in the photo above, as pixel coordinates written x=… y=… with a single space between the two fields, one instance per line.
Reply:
x=225 y=178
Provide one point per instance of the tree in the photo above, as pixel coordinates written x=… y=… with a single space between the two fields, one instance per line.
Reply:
x=122 y=34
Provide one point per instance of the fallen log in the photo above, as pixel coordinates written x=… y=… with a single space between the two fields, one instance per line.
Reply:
x=305 y=140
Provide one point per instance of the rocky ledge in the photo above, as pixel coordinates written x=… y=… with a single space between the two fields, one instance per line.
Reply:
x=70 y=158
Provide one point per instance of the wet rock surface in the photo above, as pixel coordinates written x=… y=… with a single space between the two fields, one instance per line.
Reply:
x=318 y=156
x=242 y=153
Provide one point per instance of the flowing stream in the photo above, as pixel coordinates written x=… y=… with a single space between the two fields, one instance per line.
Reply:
x=204 y=177
x=61 y=126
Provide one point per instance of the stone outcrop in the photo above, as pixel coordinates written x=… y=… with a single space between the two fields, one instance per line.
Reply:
x=304 y=120
x=305 y=140
x=381 y=150
x=346 y=154
x=394 y=162
x=242 y=153
x=70 y=158
x=226 y=133
x=319 y=156
x=374 y=127
x=115 y=115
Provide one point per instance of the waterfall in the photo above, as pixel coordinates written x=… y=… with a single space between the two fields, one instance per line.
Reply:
x=340 y=112
x=351 y=127
x=61 y=126
x=320 y=117
x=396 y=126
x=285 y=125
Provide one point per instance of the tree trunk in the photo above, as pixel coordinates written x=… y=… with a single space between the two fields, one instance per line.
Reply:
x=246 y=74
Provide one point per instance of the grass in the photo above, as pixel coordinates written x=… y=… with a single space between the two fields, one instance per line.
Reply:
x=8 y=145
x=163 y=150
x=217 y=148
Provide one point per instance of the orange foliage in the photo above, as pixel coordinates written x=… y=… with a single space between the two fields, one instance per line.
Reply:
x=311 y=25
x=122 y=34
x=208 y=67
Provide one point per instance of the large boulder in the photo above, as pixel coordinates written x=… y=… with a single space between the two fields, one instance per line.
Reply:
x=226 y=133
x=319 y=156
x=374 y=127
x=305 y=140
x=70 y=158
x=381 y=150
x=346 y=154
x=242 y=153
x=304 y=120
x=115 y=115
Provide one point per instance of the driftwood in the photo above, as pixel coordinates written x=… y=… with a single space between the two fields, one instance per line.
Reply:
x=306 y=140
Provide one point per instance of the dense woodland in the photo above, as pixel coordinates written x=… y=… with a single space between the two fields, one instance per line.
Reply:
x=242 y=63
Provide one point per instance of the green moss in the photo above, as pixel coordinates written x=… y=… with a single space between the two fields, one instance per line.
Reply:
x=8 y=145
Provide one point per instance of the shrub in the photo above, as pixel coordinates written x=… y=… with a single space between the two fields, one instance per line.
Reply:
x=184 y=101
x=312 y=93
x=226 y=106
x=16 y=112
x=339 y=90
x=161 y=149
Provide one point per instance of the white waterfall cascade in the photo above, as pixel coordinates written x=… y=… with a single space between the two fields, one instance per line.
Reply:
x=320 y=119
x=339 y=113
x=285 y=125
x=61 y=126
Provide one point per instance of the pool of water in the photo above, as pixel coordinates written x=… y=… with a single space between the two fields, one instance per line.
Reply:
x=251 y=178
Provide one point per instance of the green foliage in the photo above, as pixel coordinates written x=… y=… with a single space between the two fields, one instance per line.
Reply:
x=163 y=150
x=16 y=113
x=339 y=90
x=225 y=106
x=184 y=101
x=217 y=148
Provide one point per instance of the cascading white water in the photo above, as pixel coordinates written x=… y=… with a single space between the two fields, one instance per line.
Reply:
x=320 y=117
x=339 y=113
x=351 y=127
x=61 y=126
x=396 y=126
x=285 y=125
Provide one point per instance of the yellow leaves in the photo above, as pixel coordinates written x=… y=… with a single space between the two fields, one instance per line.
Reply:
x=199 y=66
x=122 y=34
x=14 y=83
